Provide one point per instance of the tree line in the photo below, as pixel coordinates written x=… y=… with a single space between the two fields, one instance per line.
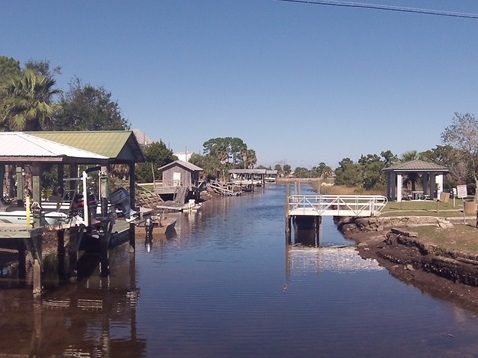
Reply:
x=458 y=152
x=30 y=101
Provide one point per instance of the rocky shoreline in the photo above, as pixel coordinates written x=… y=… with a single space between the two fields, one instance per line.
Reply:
x=443 y=273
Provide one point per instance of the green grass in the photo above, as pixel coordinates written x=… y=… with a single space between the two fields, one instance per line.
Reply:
x=426 y=207
x=459 y=237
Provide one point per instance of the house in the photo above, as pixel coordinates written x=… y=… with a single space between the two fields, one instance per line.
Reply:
x=142 y=138
x=180 y=181
x=183 y=156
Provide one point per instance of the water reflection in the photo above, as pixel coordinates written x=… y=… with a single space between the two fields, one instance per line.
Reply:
x=228 y=284
x=95 y=318
x=334 y=258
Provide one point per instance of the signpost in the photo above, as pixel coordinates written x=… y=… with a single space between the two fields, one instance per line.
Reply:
x=462 y=193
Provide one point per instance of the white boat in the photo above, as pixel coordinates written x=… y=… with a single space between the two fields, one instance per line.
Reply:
x=77 y=206
x=20 y=217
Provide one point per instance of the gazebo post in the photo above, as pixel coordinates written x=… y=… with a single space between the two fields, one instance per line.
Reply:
x=2 y=176
x=399 y=186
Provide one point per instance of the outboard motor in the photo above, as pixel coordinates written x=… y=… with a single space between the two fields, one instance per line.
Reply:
x=92 y=203
x=148 y=226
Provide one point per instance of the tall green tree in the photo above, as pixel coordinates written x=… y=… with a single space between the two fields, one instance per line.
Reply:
x=286 y=168
x=462 y=135
x=9 y=70
x=348 y=173
x=156 y=155
x=28 y=103
x=229 y=148
x=371 y=167
x=251 y=158
x=89 y=108
x=322 y=171
x=388 y=157
x=208 y=163
x=301 y=172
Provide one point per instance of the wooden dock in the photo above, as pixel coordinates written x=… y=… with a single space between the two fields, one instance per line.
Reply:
x=29 y=244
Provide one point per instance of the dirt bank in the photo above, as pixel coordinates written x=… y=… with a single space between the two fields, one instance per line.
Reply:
x=435 y=269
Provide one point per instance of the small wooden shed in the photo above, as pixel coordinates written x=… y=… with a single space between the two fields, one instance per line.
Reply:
x=179 y=177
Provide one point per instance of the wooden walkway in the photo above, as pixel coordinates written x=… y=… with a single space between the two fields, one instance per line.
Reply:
x=23 y=240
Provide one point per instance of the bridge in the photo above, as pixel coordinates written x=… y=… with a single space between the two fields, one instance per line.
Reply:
x=335 y=205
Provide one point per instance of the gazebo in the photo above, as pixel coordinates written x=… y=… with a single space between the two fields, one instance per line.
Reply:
x=431 y=176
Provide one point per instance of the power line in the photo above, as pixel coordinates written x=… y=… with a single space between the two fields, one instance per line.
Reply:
x=385 y=8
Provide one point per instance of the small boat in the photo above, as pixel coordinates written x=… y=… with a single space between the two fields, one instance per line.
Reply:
x=14 y=214
x=20 y=217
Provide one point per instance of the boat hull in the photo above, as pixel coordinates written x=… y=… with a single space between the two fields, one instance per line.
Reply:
x=20 y=217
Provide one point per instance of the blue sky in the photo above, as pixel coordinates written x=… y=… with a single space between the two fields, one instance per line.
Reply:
x=300 y=84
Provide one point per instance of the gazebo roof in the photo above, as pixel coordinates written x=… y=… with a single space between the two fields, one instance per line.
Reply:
x=416 y=166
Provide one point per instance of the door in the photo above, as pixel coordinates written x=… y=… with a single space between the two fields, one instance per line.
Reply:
x=176 y=178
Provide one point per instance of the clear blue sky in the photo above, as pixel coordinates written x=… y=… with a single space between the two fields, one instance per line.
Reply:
x=300 y=84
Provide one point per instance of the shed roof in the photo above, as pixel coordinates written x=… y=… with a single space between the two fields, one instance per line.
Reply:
x=417 y=166
x=247 y=171
x=186 y=165
x=23 y=147
x=119 y=146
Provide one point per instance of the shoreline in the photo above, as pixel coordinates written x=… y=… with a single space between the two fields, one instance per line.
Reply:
x=437 y=271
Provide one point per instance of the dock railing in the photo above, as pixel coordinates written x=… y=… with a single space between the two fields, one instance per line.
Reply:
x=336 y=205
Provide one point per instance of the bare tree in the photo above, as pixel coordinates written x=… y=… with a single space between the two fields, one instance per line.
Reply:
x=462 y=134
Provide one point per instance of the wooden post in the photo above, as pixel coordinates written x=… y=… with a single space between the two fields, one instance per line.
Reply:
x=61 y=253
x=36 y=188
x=73 y=254
x=104 y=255
x=19 y=177
x=132 y=238
x=103 y=189
x=132 y=187
x=36 y=279
x=318 y=222
x=59 y=180
x=2 y=181
x=22 y=263
x=287 y=223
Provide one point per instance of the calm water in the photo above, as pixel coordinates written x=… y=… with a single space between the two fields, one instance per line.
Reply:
x=227 y=285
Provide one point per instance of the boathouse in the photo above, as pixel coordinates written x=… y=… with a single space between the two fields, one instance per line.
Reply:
x=119 y=148
x=255 y=177
x=180 y=180
x=28 y=153
x=414 y=180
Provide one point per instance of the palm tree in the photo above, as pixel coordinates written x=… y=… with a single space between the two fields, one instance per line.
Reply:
x=28 y=102
x=411 y=177
x=251 y=158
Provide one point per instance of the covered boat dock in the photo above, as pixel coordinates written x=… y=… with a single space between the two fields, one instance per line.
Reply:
x=24 y=156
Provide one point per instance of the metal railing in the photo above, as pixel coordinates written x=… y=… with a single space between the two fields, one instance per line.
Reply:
x=336 y=205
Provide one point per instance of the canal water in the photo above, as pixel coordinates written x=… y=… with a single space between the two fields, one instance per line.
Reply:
x=227 y=284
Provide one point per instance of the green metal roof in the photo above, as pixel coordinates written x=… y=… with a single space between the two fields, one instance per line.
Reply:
x=120 y=146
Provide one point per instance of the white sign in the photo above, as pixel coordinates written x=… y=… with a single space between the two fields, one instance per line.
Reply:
x=462 y=193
